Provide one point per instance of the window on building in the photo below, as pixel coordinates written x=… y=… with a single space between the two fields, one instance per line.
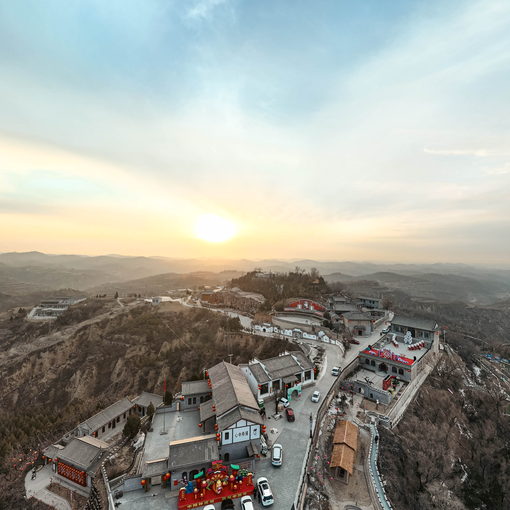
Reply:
x=194 y=400
x=394 y=370
x=227 y=436
x=367 y=362
x=372 y=362
x=118 y=419
x=298 y=377
x=308 y=375
x=124 y=416
x=264 y=388
x=277 y=385
x=102 y=430
x=189 y=401
x=401 y=371
x=110 y=425
x=202 y=399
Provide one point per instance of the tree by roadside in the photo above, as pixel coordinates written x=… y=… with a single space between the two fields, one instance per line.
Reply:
x=132 y=426
x=168 y=398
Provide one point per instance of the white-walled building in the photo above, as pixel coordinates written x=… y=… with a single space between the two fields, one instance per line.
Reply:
x=287 y=372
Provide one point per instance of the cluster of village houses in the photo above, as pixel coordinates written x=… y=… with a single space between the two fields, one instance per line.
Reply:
x=221 y=417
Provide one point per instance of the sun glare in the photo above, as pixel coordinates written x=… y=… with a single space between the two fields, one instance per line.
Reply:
x=214 y=229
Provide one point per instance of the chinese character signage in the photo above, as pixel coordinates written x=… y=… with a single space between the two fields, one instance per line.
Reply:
x=389 y=355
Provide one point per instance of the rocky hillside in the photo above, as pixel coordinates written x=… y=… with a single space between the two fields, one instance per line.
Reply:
x=452 y=449
x=51 y=380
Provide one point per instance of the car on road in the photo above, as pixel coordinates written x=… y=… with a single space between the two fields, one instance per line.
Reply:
x=284 y=401
x=264 y=492
x=277 y=455
x=316 y=395
x=247 y=503
x=209 y=507
x=335 y=371
x=290 y=414
x=385 y=330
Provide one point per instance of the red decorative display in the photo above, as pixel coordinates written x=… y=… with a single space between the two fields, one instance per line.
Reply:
x=389 y=355
x=71 y=473
x=305 y=305
x=218 y=484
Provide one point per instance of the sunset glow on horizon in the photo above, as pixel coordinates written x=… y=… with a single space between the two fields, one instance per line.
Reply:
x=336 y=132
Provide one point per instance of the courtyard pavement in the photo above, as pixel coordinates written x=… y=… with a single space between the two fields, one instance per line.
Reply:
x=38 y=489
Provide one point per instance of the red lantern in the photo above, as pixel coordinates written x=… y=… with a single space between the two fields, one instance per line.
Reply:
x=200 y=425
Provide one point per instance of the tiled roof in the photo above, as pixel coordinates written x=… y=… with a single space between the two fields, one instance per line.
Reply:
x=357 y=316
x=206 y=410
x=411 y=322
x=80 y=453
x=193 y=451
x=108 y=414
x=343 y=457
x=346 y=432
x=194 y=387
x=239 y=413
x=230 y=388
x=280 y=366
x=145 y=398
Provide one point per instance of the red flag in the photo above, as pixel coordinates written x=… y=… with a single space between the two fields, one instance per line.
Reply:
x=164 y=386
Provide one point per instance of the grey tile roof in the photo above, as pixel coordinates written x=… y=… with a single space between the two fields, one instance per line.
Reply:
x=155 y=468
x=194 y=387
x=259 y=373
x=357 y=316
x=206 y=410
x=411 y=322
x=106 y=415
x=80 y=454
x=193 y=451
x=145 y=398
x=239 y=413
x=344 y=307
x=230 y=388
x=280 y=366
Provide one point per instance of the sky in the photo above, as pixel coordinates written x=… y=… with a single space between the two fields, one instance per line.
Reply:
x=371 y=130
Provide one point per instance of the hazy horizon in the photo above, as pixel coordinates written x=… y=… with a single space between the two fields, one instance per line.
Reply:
x=254 y=260
x=225 y=128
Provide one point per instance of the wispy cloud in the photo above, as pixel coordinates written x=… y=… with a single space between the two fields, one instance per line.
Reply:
x=480 y=153
x=203 y=8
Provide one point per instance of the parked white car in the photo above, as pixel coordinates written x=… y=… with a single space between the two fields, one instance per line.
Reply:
x=247 y=503
x=316 y=396
x=285 y=402
x=277 y=455
x=265 y=493
x=209 y=507
x=335 y=371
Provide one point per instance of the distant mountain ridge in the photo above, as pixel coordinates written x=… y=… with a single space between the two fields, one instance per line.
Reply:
x=34 y=271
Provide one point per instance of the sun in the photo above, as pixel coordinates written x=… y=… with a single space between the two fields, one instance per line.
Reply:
x=214 y=229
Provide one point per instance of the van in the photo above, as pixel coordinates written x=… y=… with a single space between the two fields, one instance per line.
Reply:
x=335 y=371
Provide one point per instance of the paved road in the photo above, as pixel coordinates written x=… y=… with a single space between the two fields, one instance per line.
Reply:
x=294 y=437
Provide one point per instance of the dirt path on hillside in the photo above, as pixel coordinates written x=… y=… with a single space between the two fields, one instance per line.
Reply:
x=21 y=350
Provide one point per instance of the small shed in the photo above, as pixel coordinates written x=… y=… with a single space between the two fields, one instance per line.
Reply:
x=345 y=446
